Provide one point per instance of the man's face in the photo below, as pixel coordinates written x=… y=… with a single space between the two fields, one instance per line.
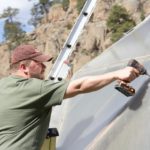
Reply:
x=36 y=70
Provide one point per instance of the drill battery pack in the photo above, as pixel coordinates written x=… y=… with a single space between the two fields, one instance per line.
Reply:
x=125 y=89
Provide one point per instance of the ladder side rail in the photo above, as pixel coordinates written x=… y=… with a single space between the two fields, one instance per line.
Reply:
x=60 y=68
x=59 y=62
x=82 y=20
x=74 y=34
x=56 y=65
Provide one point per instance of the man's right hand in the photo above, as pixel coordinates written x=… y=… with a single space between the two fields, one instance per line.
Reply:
x=127 y=74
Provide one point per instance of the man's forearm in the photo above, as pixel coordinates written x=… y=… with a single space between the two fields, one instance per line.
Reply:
x=93 y=83
x=89 y=84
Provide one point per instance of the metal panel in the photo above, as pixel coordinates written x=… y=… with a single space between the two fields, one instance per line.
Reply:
x=106 y=119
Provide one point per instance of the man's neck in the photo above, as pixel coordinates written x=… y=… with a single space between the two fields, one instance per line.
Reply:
x=20 y=73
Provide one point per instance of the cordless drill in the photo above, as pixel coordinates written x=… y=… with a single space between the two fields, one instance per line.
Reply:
x=124 y=87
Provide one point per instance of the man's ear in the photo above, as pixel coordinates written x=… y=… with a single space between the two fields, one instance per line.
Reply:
x=24 y=68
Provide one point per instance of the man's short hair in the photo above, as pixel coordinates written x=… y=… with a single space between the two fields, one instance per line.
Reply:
x=14 y=67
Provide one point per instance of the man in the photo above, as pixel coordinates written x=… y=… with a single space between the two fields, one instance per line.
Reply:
x=26 y=98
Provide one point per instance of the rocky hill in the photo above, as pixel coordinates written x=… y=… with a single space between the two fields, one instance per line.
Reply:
x=51 y=34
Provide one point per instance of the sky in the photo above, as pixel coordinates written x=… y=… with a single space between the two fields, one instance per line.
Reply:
x=24 y=6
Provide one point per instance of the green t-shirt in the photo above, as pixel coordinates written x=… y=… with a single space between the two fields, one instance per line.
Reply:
x=25 y=109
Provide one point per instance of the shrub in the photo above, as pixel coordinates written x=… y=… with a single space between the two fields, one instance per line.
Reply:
x=65 y=4
x=142 y=15
x=119 y=21
x=80 y=4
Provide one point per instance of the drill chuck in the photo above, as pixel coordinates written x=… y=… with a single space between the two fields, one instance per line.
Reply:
x=134 y=63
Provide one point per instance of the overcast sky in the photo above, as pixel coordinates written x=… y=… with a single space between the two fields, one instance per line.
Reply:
x=24 y=15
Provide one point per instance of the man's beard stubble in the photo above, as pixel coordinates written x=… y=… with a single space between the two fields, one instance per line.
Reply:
x=37 y=76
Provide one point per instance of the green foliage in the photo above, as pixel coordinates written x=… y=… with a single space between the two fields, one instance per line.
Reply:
x=45 y=5
x=65 y=4
x=142 y=15
x=119 y=22
x=56 y=2
x=36 y=15
x=14 y=34
x=80 y=4
x=39 y=10
x=69 y=26
x=13 y=31
x=44 y=1
x=9 y=13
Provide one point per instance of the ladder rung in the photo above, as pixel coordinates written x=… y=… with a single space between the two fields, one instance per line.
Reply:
x=85 y=13
x=52 y=78
x=59 y=78
x=69 y=45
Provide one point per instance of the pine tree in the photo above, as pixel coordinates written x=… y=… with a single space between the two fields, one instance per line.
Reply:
x=13 y=31
x=9 y=13
x=45 y=4
x=12 y=28
x=119 y=21
x=39 y=10
x=36 y=15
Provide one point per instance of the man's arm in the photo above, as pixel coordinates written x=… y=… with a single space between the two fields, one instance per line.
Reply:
x=93 y=83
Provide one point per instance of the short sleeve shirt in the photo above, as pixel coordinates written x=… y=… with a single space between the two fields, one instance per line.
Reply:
x=25 y=109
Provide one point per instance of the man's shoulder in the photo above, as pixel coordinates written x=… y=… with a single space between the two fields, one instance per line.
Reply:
x=4 y=78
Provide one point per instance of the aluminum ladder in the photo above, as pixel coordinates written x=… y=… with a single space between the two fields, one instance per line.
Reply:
x=61 y=68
